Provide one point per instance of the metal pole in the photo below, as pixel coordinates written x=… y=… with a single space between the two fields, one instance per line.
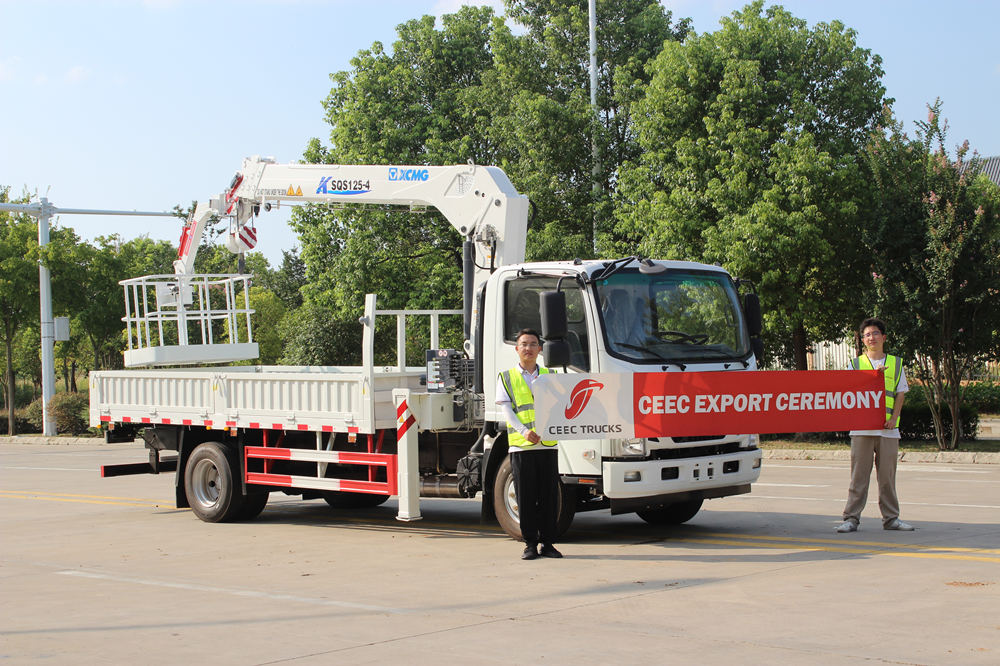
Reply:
x=596 y=172
x=43 y=212
x=48 y=328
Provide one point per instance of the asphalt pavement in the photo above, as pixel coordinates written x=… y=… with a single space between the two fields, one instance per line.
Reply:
x=107 y=571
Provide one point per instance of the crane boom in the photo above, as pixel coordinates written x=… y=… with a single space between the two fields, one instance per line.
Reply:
x=478 y=201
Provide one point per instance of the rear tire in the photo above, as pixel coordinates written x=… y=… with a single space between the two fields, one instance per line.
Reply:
x=505 y=504
x=210 y=483
x=671 y=514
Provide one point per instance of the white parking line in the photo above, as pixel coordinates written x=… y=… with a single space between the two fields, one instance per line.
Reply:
x=793 y=485
x=902 y=467
x=840 y=500
x=54 y=469
x=232 y=591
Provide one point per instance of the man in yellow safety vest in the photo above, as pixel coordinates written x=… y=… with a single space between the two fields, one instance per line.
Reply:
x=883 y=444
x=534 y=462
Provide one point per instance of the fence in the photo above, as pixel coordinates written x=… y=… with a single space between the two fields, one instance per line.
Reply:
x=835 y=355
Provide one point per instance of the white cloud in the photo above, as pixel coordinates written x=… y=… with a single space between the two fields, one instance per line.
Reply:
x=8 y=68
x=77 y=74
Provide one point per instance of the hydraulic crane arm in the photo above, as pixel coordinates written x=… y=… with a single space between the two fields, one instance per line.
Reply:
x=478 y=201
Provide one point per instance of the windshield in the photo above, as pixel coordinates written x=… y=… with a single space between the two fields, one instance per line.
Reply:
x=676 y=316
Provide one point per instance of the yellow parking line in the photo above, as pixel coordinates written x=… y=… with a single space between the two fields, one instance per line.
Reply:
x=835 y=549
x=74 y=495
x=45 y=498
x=877 y=544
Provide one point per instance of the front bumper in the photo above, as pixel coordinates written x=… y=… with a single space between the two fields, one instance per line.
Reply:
x=625 y=479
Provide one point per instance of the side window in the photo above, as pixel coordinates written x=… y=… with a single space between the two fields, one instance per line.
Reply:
x=522 y=310
x=521 y=307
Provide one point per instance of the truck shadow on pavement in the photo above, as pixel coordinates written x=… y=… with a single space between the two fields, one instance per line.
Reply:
x=719 y=536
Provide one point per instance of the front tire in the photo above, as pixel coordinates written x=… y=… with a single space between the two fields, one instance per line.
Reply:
x=671 y=514
x=506 y=509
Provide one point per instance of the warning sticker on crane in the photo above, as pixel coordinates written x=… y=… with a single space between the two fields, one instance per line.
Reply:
x=657 y=404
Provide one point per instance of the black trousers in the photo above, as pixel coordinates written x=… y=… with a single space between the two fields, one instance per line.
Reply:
x=536 y=482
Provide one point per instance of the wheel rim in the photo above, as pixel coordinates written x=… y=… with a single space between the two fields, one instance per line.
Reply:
x=510 y=499
x=205 y=483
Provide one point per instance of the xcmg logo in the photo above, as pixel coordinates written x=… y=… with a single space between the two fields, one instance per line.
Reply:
x=580 y=396
x=408 y=174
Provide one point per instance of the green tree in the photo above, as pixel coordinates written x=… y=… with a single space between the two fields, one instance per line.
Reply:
x=287 y=281
x=475 y=90
x=934 y=239
x=406 y=107
x=752 y=137
x=18 y=286
x=103 y=266
x=536 y=111
x=313 y=336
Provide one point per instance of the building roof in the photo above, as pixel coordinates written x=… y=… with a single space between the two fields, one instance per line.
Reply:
x=990 y=166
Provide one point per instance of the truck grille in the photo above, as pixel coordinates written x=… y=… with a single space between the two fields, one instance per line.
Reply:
x=695 y=451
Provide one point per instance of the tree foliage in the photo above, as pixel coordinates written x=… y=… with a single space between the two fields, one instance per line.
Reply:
x=934 y=239
x=751 y=138
x=474 y=90
x=18 y=286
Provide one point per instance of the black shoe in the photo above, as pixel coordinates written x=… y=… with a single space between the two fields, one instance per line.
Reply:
x=549 y=551
x=530 y=552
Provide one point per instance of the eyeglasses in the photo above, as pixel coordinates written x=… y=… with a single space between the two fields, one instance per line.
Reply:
x=872 y=334
x=528 y=345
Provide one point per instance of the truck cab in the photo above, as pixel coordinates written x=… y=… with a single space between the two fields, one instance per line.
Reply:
x=629 y=316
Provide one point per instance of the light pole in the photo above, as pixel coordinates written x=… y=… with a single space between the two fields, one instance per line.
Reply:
x=43 y=212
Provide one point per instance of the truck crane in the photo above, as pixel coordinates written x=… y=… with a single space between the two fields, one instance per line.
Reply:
x=356 y=436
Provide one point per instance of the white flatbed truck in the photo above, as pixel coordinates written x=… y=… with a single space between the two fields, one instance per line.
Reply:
x=357 y=435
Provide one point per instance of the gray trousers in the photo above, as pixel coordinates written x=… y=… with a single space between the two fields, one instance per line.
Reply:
x=884 y=451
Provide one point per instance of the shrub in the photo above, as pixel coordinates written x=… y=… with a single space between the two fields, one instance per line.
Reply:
x=69 y=410
x=33 y=416
x=20 y=421
x=916 y=421
x=983 y=396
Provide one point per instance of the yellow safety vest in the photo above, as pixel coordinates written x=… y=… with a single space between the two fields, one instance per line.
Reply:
x=523 y=403
x=893 y=371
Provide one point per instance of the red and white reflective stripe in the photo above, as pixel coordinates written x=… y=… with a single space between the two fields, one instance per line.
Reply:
x=312 y=455
x=248 y=237
x=288 y=481
x=404 y=423
x=211 y=423
x=231 y=197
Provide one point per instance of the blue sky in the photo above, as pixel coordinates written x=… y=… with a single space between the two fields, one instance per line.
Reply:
x=122 y=104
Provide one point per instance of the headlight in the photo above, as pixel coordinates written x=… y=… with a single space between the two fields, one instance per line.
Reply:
x=629 y=447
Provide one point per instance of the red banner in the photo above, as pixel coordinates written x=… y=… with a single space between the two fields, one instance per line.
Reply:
x=709 y=403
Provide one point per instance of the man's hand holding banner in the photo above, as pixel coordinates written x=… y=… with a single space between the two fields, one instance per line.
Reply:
x=659 y=404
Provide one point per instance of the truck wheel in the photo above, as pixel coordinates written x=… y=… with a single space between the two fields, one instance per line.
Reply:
x=253 y=504
x=210 y=483
x=505 y=504
x=671 y=514
x=341 y=500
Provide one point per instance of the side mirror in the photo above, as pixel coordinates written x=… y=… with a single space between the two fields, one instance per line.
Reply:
x=556 y=353
x=552 y=305
x=751 y=308
x=757 y=345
